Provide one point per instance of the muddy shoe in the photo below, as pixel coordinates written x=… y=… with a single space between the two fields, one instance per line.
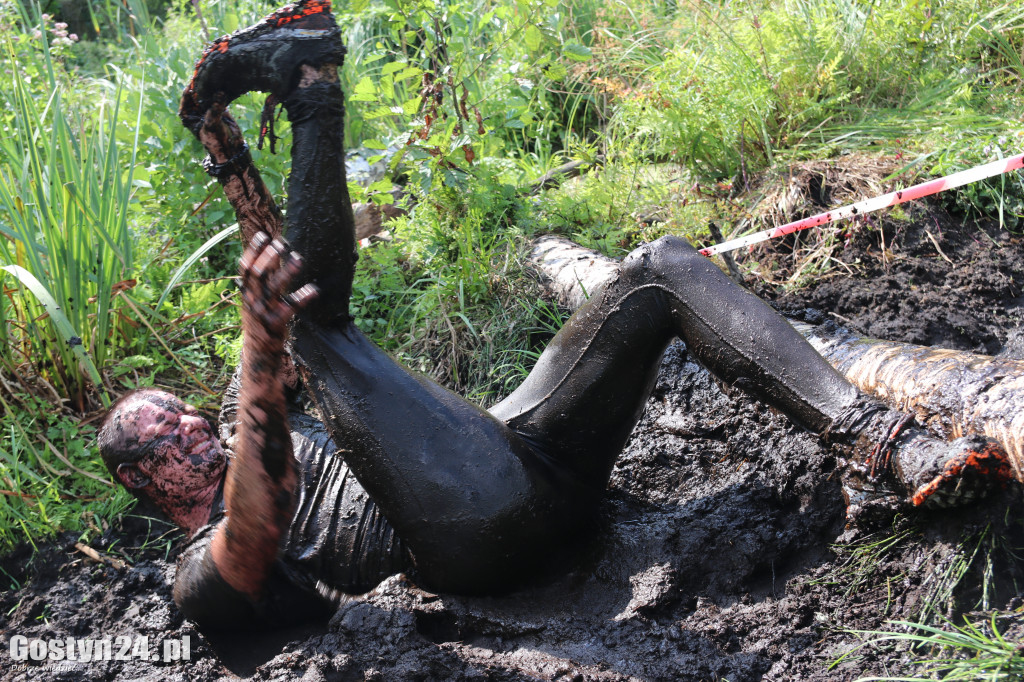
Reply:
x=941 y=474
x=264 y=57
x=891 y=460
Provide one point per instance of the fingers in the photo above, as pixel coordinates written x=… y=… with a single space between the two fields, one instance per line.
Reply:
x=255 y=248
x=279 y=280
x=263 y=261
x=268 y=261
x=302 y=296
x=267 y=269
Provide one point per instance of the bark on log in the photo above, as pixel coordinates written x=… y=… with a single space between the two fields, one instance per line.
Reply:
x=569 y=272
x=955 y=393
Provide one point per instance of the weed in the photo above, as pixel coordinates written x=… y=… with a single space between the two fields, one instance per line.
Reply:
x=65 y=187
x=971 y=651
x=858 y=567
x=453 y=83
x=50 y=476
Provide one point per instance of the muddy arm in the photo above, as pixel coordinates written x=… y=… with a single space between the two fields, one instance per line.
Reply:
x=231 y=164
x=260 y=489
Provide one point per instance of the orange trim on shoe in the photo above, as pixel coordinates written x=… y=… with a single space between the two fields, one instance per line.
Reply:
x=990 y=462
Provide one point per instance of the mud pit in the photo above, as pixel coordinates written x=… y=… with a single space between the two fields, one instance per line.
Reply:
x=721 y=551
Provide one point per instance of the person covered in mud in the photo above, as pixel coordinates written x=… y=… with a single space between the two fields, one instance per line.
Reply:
x=399 y=474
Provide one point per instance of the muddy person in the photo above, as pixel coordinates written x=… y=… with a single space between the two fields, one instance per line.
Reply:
x=397 y=474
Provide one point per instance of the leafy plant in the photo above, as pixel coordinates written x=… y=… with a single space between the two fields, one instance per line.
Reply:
x=452 y=83
x=65 y=187
x=49 y=479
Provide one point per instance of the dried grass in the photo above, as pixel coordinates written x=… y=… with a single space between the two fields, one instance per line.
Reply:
x=802 y=190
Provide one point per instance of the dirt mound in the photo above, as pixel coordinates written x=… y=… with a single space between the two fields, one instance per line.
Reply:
x=721 y=551
x=931 y=280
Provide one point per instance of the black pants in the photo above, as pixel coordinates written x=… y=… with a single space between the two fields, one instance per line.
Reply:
x=484 y=499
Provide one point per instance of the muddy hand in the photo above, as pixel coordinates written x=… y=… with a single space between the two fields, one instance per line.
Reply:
x=267 y=269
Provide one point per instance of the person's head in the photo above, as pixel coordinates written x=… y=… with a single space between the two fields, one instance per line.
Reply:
x=161 y=449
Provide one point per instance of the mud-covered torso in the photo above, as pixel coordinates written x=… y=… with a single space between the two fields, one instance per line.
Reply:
x=337 y=542
x=337 y=534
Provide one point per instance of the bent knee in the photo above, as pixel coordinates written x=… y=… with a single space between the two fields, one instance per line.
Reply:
x=664 y=257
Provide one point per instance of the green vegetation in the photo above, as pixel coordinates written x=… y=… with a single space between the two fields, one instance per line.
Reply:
x=972 y=651
x=117 y=249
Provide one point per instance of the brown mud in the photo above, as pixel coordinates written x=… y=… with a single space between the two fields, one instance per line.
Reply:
x=721 y=551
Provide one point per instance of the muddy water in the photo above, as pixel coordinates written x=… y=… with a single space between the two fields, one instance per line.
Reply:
x=715 y=555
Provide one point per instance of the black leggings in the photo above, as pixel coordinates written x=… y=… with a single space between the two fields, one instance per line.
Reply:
x=485 y=499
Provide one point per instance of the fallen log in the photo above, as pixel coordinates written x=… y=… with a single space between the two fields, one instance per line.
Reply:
x=569 y=272
x=955 y=393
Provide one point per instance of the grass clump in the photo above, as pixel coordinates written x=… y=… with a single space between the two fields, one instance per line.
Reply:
x=448 y=296
x=971 y=651
x=744 y=83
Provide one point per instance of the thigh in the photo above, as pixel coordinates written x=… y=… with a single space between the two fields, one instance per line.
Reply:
x=477 y=506
x=589 y=387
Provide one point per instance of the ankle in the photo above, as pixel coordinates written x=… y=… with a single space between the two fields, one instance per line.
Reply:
x=309 y=75
x=866 y=431
x=888 y=455
x=319 y=99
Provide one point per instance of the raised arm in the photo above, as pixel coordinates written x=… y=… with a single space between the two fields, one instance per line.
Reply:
x=230 y=163
x=260 y=489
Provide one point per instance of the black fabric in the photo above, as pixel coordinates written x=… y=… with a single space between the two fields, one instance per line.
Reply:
x=338 y=541
x=202 y=594
x=486 y=500
x=324 y=238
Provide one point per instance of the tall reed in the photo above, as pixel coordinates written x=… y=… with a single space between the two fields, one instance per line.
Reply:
x=65 y=188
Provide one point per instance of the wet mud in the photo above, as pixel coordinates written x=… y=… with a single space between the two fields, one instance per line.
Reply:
x=721 y=551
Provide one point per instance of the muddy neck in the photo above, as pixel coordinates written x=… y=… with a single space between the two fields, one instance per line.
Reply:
x=192 y=512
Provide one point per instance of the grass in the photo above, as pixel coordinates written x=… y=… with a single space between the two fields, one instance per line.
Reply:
x=971 y=651
x=858 y=563
x=947 y=580
x=65 y=194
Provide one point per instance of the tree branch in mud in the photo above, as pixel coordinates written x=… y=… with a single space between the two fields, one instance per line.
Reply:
x=956 y=393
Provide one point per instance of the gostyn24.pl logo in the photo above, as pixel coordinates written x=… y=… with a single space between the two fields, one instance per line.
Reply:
x=85 y=650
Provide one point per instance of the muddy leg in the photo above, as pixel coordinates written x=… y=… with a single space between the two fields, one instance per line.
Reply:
x=478 y=508
x=266 y=57
x=320 y=223
x=589 y=387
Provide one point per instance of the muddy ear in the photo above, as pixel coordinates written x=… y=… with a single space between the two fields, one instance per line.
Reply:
x=131 y=476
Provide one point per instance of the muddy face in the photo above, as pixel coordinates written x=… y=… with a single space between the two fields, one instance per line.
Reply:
x=182 y=454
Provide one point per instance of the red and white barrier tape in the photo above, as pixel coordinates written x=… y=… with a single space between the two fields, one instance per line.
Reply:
x=868 y=205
